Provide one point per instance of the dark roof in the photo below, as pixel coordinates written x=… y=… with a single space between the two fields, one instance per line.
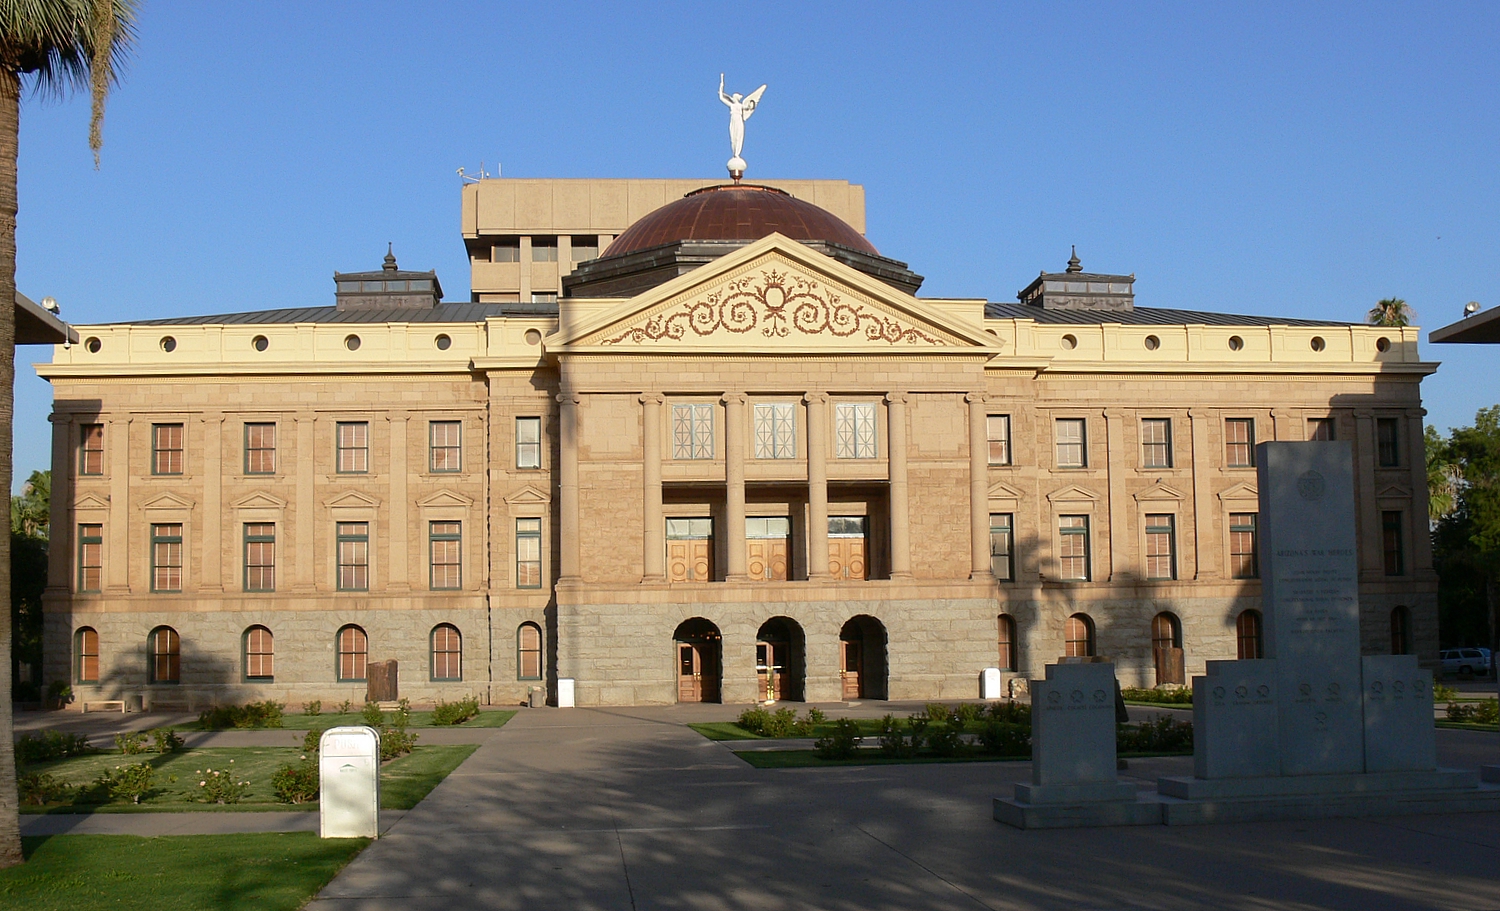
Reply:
x=1479 y=328
x=442 y=313
x=737 y=212
x=1144 y=316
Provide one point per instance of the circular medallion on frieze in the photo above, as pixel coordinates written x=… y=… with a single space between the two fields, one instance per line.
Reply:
x=1377 y=687
x=1397 y=686
x=1241 y=691
x=1263 y=691
x=1310 y=485
x=1076 y=696
x=1100 y=696
x=1218 y=692
x=1305 y=689
x=1333 y=690
x=1054 y=697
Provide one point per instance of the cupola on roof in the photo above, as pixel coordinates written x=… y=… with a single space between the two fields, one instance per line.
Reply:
x=738 y=212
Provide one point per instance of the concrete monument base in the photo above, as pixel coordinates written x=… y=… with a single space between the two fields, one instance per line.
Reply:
x=1322 y=785
x=1202 y=811
x=1490 y=773
x=1131 y=812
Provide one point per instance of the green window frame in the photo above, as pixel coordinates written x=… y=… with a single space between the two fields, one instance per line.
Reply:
x=445 y=547
x=352 y=440
x=165 y=648
x=260 y=448
x=166 y=557
x=353 y=544
x=90 y=557
x=1002 y=546
x=445 y=446
x=528 y=443
x=167 y=445
x=91 y=449
x=447 y=647
x=528 y=553
x=529 y=652
x=260 y=556
x=259 y=647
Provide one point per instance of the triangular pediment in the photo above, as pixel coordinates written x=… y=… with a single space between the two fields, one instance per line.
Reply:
x=1394 y=492
x=774 y=296
x=529 y=495
x=351 y=498
x=259 y=500
x=1003 y=491
x=446 y=497
x=1073 y=494
x=1159 y=492
x=90 y=501
x=1240 y=491
x=167 y=501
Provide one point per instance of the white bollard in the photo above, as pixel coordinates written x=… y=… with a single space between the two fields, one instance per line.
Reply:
x=349 y=783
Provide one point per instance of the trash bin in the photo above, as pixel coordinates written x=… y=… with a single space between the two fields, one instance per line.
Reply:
x=349 y=782
x=536 y=697
x=989 y=684
x=565 y=692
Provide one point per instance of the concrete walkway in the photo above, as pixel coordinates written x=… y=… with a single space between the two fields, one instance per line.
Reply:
x=626 y=809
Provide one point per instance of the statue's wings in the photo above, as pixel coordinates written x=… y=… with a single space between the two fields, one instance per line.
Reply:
x=752 y=101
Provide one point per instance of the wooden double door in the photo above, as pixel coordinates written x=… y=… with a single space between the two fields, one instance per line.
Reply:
x=772 y=662
x=697 y=671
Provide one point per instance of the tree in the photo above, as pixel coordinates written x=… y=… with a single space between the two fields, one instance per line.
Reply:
x=1466 y=541
x=30 y=513
x=1443 y=477
x=52 y=47
x=1391 y=311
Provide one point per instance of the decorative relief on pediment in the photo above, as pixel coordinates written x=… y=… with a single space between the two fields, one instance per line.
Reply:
x=776 y=305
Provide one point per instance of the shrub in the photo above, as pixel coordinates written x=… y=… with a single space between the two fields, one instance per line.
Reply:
x=312 y=740
x=816 y=717
x=132 y=781
x=345 y=706
x=395 y=743
x=455 y=712
x=781 y=723
x=1011 y=712
x=49 y=745
x=219 y=786
x=59 y=694
x=314 y=707
x=1487 y=712
x=131 y=743
x=42 y=789
x=373 y=716
x=166 y=741
x=1005 y=738
x=1441 y=692
x=1175 y=696
x=937 y=713
x=896 y=744
x=1162 y=734
x=969 y=712
x=265 y=714
x=402 y=716
x=296 y=783
x=841 y=743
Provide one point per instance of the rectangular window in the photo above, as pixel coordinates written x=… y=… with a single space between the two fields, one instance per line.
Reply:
x=354 y=556
x=166 y=448
x=90 y=558
x=87 y=647
x=1156 y=443
x=854 y=430
x=506 y=250
x=444 y=452
x=692 y=431
x=1239 y=442
x=528 y=443
x=544 y=249
x=1244 y=557
x=1072 y=443
x=1073 y=548
x=997 y=429
x=166 y=558
x=1320 y=429
x=1395 y=557
x=528 y=553
x=260 y=449
x=354 y=447
x=1161 y=547
x=775 y=432
x=1002 y=546
x=91 y=449
x=260 y=557
x=585 y=247
x=445 y=544
x=1389 y=442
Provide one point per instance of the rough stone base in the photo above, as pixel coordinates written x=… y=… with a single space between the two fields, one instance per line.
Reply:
x=1077 y=815
x=1483 y=799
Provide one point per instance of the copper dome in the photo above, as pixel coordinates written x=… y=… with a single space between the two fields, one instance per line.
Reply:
x=737 y=212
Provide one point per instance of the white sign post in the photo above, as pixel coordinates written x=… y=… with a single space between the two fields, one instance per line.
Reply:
x=349 y=777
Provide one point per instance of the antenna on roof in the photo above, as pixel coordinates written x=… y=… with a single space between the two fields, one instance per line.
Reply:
x=483 y=174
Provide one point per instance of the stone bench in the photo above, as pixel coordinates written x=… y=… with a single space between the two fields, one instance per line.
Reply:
x=105 y=703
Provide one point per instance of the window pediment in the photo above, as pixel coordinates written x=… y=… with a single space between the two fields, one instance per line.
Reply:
x=259 y=500
x=351 y=499
x=1240 y=491
x=529 y=496
x=1073 y=494
x=168 y=501
x=1158 y=492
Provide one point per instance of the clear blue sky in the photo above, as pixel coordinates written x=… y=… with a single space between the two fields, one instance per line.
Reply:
x=1284 y=159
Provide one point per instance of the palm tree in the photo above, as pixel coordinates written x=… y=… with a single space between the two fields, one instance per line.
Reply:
x=50 y=46
x=1393 y=312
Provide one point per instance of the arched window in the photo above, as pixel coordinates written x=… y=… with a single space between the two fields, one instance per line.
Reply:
x=1400 y=630
x=447 y=653
x=1247 y=629
x=1166 y=631
x=529 y=652
x=1079 y=637
x=86 y=655
x=166 y=655
x=260 y=654
x=354 y=649
x=1007 y=643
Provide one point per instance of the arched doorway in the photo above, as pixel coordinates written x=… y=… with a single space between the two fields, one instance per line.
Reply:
x=780 y=660
x=1166 y=648
x=862 y=658
x=698 y=649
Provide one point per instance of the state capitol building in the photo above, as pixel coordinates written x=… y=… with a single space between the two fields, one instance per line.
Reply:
x=696 y=441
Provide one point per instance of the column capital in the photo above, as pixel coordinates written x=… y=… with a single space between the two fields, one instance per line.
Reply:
x=816 y=398
x=897 y=398
x=569 y=398
x=733 y=398
x=652 y=398
x=1416 y=412
x=975 y=398
x=1363 y=414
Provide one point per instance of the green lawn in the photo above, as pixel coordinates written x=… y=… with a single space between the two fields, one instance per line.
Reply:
x=404 y=781
x=804 y=759
x=868 y=727
x=300 y=722
x=1468 y=726
x=261 y=872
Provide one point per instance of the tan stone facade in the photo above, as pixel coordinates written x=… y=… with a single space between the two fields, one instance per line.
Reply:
x=773 y=392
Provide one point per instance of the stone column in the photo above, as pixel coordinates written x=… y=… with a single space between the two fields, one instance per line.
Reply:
x=61 y=553
x=1121 y=519
x=210 y=530
x=398 y=569
x=734 y=486
x=1416 y=455
x=1205 y=515
x=567 y=485
x=817 y=485
x=900 y=504
x=653 y=559
x=118 y=556
x=304 y=545
x=1367 y=511
x=979 y=490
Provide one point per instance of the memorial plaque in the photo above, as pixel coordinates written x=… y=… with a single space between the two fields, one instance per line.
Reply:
x=1073 y=737
x=1310 y=573
x=1399 y=734
x=1235 y=720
